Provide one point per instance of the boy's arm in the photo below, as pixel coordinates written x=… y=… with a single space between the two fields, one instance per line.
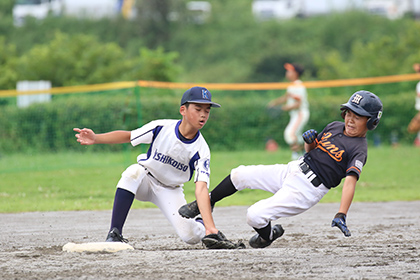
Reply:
x=277 y=101
x=86 y=136
x=203 y=202
x=310 y=147
x=293 y=106
x=347 y=195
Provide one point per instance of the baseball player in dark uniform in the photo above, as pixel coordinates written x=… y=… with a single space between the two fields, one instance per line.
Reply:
x=339 y=151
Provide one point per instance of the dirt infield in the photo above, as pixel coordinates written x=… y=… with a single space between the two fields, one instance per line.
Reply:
x=385 y=244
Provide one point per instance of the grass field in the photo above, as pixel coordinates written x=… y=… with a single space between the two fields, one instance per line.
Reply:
x=86 y=181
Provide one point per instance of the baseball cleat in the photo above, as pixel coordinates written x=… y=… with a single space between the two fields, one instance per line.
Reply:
x=190 y=210
x=115 y=236
x=257 y=242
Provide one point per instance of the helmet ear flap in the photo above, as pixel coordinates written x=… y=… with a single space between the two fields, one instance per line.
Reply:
x=372 y=123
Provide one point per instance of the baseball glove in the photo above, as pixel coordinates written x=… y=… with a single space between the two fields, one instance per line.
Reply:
x=310 y=136
x=219 y=241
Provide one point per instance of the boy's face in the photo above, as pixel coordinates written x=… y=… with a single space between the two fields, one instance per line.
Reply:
x=355 y=125
x=292 y=75
x=196 y=114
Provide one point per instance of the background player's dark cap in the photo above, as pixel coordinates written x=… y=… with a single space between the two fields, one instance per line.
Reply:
x=294 y=67
x=198 y=95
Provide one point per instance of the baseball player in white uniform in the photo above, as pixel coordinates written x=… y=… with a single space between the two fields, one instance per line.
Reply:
x=338 y=152
x=177 y=150
x=414 y=125
x=296 y=99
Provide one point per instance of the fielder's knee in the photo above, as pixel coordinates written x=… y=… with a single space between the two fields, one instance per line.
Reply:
x=193 y=235
x=191 y=240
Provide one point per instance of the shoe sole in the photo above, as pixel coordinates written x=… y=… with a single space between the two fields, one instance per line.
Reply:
x=187 y=213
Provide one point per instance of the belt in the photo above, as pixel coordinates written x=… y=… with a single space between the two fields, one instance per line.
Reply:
x=148 y=172
x=304 y=167
x=151 y=175
x=160 y=183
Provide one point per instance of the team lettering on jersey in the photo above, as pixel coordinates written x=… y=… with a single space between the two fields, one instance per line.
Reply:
x=168 y=160
x=332 y=150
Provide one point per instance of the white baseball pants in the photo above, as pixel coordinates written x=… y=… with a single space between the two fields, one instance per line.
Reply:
x=146 y=188
x=294 y=129
x=292 y=192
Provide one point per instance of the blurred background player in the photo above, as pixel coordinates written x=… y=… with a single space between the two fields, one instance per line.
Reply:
x=177 y=149
x=414 y=125
x=296 y=103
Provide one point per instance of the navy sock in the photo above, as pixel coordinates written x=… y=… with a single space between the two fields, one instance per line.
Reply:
x=122 y=204
x=222 y=190
x=264 y=232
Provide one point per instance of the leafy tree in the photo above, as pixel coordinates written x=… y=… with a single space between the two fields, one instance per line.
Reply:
x=230 y=46
x=8 y=60
x=6 y=19
x=82 y=59
x=388 y=55
x=153 y=65
x=70 y=60
x=6 y=7
x=153 y=18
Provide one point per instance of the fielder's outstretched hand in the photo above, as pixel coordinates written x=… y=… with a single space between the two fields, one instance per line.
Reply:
x=309 y=136
x=340 y=222
x=219 y=241
x=86 y=136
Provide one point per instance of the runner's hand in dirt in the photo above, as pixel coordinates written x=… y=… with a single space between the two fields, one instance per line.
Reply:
x=340 y=222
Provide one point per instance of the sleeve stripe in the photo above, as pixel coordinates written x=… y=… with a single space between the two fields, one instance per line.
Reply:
x=138 y=136
x=353 y=167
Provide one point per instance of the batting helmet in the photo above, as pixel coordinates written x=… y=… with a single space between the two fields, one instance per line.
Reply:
x=364 y=103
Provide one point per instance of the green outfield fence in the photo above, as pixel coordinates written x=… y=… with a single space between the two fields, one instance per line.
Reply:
x=243 y=122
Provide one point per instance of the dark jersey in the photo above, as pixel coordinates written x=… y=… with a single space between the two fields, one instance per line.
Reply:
x=337 y=155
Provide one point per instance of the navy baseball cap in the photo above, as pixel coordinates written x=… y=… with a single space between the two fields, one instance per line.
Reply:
x=198 y=95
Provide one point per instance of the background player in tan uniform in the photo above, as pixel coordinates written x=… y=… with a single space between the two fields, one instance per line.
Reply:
x=414 y=125
x=296 y=103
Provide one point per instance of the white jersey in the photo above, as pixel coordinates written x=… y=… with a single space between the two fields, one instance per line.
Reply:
x=417 y=106
x=169 y=159
x=299 y=116
x=298 y=91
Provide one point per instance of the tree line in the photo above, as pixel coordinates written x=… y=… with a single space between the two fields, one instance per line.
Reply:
x=230 y=46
